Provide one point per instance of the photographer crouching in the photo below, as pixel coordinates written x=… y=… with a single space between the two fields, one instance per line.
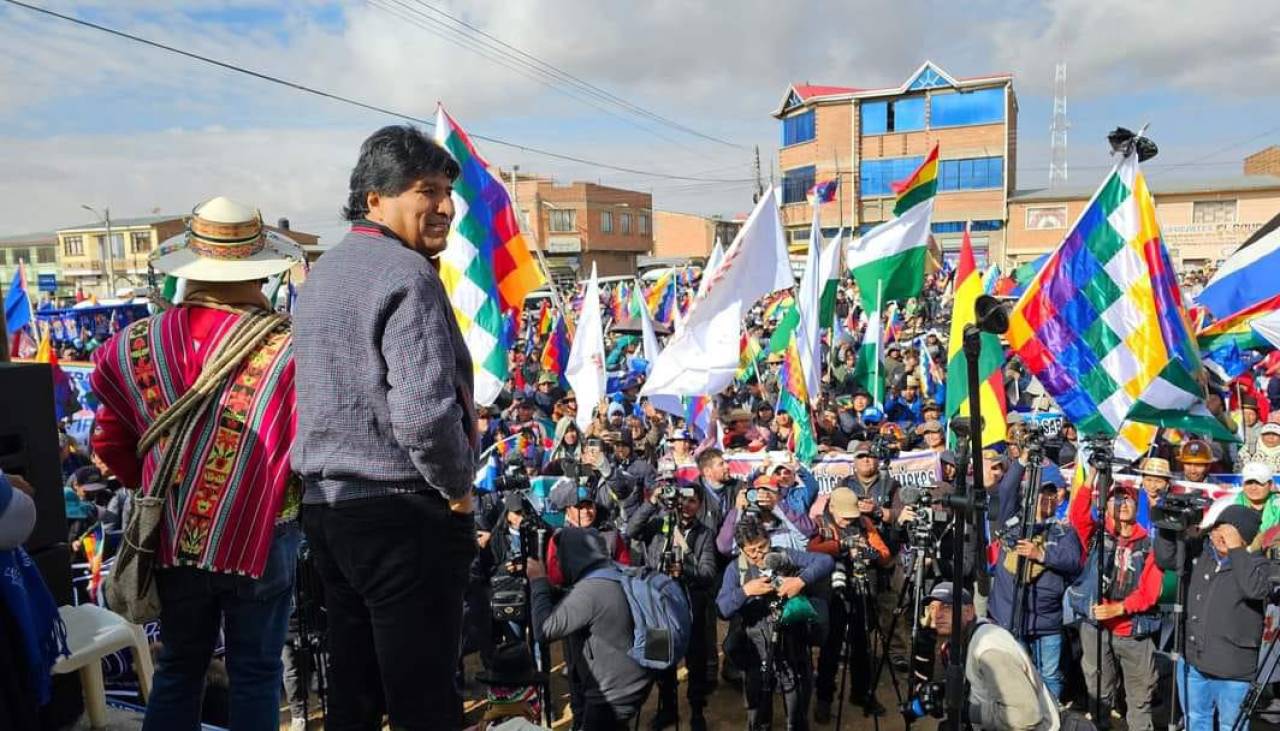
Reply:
x=853 y=541
x=767 y=596
x=1003 y=689
x=679 y=544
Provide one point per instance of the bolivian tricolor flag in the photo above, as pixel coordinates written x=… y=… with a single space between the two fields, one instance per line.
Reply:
x=889 y=260
x=990 y=360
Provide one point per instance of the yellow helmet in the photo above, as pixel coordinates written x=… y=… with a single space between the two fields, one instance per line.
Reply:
x=1195 y=451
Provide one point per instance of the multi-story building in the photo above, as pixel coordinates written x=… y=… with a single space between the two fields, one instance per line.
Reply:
x=581 y=223
x=1201 y=221
x=688 y=235
x=85 y=258
x=871 y=138
x=38 y=252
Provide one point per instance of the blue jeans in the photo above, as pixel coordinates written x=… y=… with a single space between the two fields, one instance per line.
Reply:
x=1201 y=694
x=253 y=615
x=1046 y=653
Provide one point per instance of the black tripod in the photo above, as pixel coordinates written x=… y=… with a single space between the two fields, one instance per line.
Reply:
x=858 y=590
x=312 y=647
x=1266 y=672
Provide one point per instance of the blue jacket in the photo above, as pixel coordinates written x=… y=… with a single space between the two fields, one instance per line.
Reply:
x=903 y=413
x=814 y=569
x=1042 y=612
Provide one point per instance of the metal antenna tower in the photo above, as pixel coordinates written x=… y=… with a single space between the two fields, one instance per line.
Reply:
x=1058 y=129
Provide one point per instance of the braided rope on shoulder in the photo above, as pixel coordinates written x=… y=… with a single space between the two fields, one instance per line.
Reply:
x=245 y=337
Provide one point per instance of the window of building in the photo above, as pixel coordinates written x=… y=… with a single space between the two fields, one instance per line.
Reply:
x=956 y=227
x=877 y=176
x=644 y=224
x=798 y=128
x=796 y=184
x=73 y=246
x=624 y=222
x=4 y=257
x=564 y=220
x=117 y=246
x=523 y=216
x=606 y=222
x=46 y=255
x=971 y=173
x=1046 y=217
x=140 y=242
x=1213 y=212
x=20 y=255
x=984 y=106
x=905 y=114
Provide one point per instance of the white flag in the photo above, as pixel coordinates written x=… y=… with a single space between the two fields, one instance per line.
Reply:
x=585 y=368
x=713 y=263
x=661 y=402
x=809 y=302
x=702 y=357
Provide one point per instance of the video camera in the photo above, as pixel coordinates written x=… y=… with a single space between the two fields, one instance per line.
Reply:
x=922 y=501
x=778 y=566
x=1180 y=511
x=855 y=561
x=513 y=477
x=887 y=442
x=930 y=700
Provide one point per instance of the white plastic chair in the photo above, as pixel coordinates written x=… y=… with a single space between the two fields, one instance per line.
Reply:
x=92 y=633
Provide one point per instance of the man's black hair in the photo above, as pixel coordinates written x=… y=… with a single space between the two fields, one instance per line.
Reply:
x=390 y=161
x=748 y=531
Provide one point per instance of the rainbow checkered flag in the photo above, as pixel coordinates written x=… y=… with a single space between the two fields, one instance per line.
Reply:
x=487 y=269
x=1103 y=327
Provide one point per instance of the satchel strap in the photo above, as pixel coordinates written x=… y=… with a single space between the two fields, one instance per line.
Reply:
x=180 y=418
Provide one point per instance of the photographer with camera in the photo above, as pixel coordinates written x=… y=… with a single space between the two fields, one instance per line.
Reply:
x=1226 y=599
x=767 y=595
x=855 y=544
x=680 y=545
x=1051 y=558
x=1003 y=689
x=786 y=521
x=1124 y=618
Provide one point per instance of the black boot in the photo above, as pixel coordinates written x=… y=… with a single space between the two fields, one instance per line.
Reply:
x=696 y=721
x=822 y=712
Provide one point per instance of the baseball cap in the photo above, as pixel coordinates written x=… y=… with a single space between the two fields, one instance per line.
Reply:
x=616 y=408
x=1256 y=472
x=860 y=449
x=943 y=593
x=843 y=503
x=1270 y=428
x=680 y=435
x=568 y=493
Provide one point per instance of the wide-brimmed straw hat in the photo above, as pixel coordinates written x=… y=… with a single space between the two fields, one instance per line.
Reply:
x=226 y=242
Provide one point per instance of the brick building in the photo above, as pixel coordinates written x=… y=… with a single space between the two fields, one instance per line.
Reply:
x=1263 y=162
x=689 y=235
x=583 y=223
x=870 y=138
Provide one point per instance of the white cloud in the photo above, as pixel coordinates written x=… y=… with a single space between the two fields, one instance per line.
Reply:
x=1181 y=46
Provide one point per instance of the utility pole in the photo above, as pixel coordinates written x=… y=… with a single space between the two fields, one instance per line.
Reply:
x=759 y=181
x=1058 y=129
x=109 y=253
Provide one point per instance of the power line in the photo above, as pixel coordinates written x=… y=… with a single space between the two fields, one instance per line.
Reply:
x=575 y=80
x=407 y=13
x=355 y=102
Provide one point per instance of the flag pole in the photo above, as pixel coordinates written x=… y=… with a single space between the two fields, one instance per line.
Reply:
x=879 y=342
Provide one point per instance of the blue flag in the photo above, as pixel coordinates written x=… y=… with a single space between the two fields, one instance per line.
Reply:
x=17 y=303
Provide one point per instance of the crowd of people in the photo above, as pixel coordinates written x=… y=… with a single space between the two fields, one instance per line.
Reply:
x=344 y=442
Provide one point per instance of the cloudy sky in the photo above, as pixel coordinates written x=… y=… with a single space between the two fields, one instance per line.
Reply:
x=678 y=88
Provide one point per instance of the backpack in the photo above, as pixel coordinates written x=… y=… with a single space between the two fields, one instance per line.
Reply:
x=660 y=611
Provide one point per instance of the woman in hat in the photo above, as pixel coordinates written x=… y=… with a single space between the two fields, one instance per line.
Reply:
x=1266 y=450
x=228 y=537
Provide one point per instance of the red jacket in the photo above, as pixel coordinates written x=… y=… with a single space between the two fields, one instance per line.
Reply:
x=621 y=554
x=1147 y=593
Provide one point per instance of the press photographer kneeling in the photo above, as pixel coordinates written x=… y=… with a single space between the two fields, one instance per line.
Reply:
x=1003 y=689
x=767 y=596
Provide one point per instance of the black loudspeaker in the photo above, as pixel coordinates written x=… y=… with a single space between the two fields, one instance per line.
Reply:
x=29 y=446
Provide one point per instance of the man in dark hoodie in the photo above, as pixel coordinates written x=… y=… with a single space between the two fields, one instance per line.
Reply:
x=608 y=686
x=1229 y=587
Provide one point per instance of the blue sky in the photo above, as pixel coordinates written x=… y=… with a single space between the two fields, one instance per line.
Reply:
x=88 y=118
